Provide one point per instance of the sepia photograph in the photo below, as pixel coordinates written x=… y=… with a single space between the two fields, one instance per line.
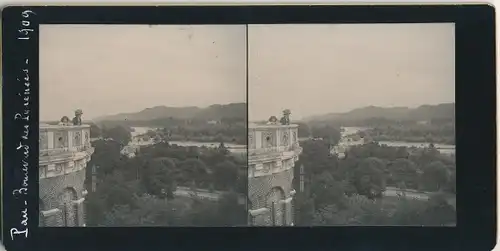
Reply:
x=143 y=125
x=351 y=125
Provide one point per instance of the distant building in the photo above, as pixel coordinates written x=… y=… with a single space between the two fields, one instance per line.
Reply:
x=273 y=150
x=212 y=122
x=130 y=150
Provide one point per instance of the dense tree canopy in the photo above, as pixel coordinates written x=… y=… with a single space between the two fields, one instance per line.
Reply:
x=142 y=190
x=351 y=190
x=229 y=130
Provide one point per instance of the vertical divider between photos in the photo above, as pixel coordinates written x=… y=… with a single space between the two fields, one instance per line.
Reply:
x=249 y=219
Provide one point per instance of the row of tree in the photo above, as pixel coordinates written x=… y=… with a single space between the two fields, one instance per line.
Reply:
x=435 y=133
x=225 y=130
x=351 y=190
x=140 y=191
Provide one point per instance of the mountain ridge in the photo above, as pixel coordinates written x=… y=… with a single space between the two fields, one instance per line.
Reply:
x=212 y=112
x=423 y=112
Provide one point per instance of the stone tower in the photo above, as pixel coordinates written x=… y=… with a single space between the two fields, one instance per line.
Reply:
x=273 y=150
x=65 y=151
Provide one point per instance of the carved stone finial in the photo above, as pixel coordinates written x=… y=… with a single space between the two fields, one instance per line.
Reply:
x=77 y=120
x=272 y=120
x=64 y=120
x=285 y=120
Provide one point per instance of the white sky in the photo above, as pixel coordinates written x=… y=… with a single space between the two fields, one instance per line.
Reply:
x=322 y=68
x=109 y=69
x=310 y=69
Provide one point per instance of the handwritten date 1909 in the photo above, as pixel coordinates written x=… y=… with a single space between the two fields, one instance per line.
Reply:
x=26 y=26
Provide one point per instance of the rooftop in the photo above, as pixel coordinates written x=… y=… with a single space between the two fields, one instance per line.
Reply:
x=47 y=126
x=277 y=125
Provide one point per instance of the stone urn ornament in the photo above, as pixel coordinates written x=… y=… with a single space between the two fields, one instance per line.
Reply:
x=77 y=120
x=285 y=120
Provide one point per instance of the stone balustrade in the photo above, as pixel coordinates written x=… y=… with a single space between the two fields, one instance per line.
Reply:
x=266 y=142
x=273 y=150
x=63 y=149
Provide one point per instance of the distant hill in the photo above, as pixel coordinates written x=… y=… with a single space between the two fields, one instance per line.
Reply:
x=213 y=112
x=424 y=112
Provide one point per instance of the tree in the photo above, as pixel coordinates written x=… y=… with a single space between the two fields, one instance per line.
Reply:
x=113 y=190
x=158 y=177
x=328 y=133
x=147 y=211
x=119 y=134
x=435 y=176
x=194 y=170
x=230 y=212
x=358 y=210
x=223 y=149
x=316 y=154
x=303 y=131
x=369 y=177
x=439 y=211
x=116 y=190
x=106 y=156
x=326 y=191
x=225 y=175
x=452 y=182
x=304 y=210
x=403 y=171
x=95 y=131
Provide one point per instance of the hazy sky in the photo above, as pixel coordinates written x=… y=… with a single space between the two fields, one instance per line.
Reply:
x=108 y=69
x=314 y=69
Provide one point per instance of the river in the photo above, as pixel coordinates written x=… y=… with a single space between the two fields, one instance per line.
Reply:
x=346 y=131
x=235 y=148
x=442 y=148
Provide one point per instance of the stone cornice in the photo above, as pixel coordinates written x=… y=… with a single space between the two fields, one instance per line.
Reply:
x=259 y=211
x=51 y=212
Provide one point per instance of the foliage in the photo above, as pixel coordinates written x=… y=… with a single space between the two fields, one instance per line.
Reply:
x=120 y=134
x=145 y=210
x=369 y=177
x=95 y=131
x=325 y=190
x=141 y=190
x=303 y=131
x=350 y=191
x=435 y=176
x=437 y=133
x=228 y=128
x=402 y=172
x=328 y=133
x=158 y=177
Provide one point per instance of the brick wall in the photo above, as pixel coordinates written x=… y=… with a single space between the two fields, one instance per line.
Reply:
x=51 y=192
x=259 y=189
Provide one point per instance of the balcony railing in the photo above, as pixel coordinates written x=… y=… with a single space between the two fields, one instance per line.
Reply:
x=59 y=137
x=280 y=149
x=270 y=136
x=260 y=151
x=61 y=152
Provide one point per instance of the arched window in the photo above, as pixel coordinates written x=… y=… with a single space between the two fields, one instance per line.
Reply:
x=277 y=208
x=69 y=209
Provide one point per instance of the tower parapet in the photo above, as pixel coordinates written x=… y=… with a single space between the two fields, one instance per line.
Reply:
x=273 y=150
x=65 y=151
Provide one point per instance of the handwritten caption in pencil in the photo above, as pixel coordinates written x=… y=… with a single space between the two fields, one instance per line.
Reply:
x=22 y=117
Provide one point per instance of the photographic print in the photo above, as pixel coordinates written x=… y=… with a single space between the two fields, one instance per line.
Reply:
x=142 y=125
x=352 y=124
x=274 y=126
